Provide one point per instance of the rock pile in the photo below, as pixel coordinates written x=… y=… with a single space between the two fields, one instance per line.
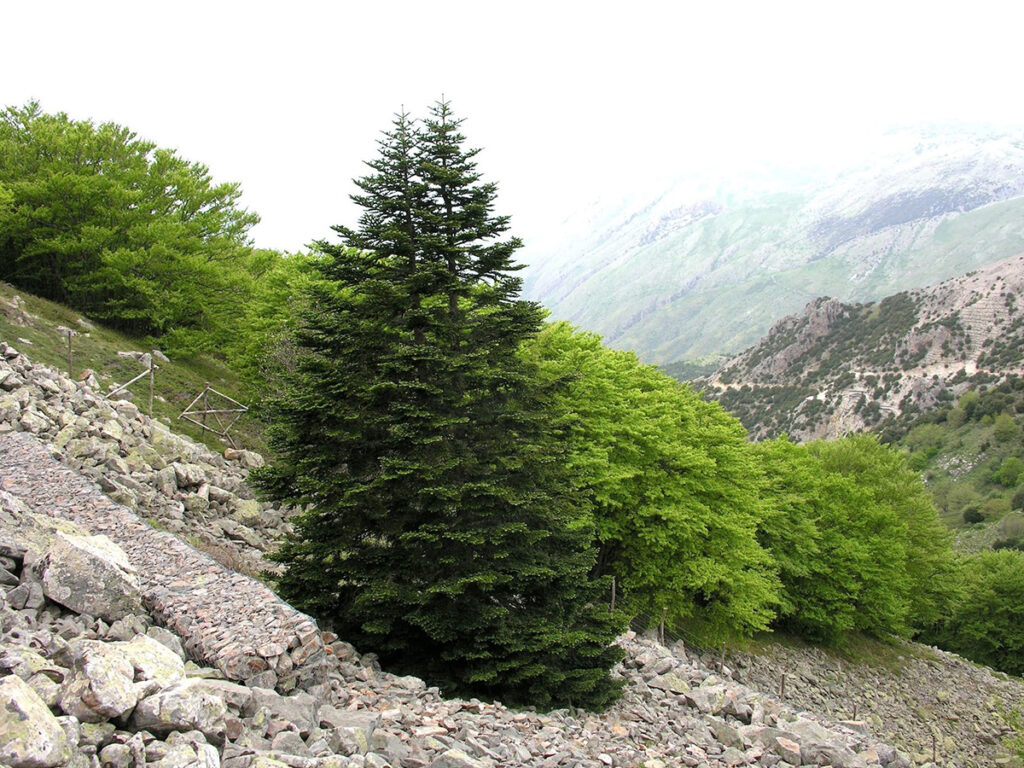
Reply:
x=171 y=481
x=80 y=690
x=926 y=700
x=226 y=619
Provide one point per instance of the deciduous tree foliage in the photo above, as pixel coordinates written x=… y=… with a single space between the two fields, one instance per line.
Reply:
x=857 y=541
x=805 y=527
x=128 y=233
x=442 y=530
x=987 y=624
x=908 y=574
x=264 y=346
x=673 y=484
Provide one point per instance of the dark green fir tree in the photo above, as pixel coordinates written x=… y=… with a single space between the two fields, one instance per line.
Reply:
x=440 y=529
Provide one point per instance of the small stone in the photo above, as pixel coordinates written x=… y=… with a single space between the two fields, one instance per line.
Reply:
x=290 y=743
x=455 y=758
x=787 y=749
x=116 y=756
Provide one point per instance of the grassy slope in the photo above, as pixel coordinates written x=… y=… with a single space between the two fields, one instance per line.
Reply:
x=176 y=383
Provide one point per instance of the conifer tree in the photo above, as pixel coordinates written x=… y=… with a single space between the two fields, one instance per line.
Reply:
x=440 y=531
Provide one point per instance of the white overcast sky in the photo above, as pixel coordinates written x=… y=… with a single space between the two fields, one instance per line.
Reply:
x=569 y=100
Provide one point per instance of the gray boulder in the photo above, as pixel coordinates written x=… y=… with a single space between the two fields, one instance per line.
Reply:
x=352 y=730
x=152 y=660
x=167 y=639
x=184 y=706
x=670 y=682
x=455 y=758
x=188 y=475
x=91 y=574
x=102 y=686
x=30 y=736
x=246 y=459
x=300 y=709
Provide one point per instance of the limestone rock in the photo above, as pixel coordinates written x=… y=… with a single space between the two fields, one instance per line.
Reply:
x=455 y=758
x=300 y=709
x=670 y=682
x=184 y=755
x=168 y=640
x=354 y=728
x=188 y=475
x=184 y=706
x=237 y=697
x=290 y=743
x=247 y=459
x=116 y=756
x=102 y=685
x=247 y=511
x=708 y=699
x=91 y=574
x=30 y=736
x=152 y=660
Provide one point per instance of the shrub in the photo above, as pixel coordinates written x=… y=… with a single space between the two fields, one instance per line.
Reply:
x=973 y=516
x=1018 y=499
x=1010 y=472
x=1005 y=428
x=987 y=623
x=995 y=508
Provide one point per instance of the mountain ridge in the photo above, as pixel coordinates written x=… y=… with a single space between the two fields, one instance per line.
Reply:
x=839 y=368
x=706 y=266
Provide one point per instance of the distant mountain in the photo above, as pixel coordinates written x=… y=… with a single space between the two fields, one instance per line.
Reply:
x=705 y=266
x=841 y=368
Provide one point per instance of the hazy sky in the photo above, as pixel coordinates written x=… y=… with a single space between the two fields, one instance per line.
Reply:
x=569 y=100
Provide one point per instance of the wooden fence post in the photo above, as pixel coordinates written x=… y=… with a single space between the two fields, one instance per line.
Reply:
x=152 y=368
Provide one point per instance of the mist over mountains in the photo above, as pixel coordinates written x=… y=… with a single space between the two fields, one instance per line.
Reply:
x=705 y=265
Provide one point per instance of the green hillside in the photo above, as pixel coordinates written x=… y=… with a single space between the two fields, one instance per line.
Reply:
x=31 y=324
x=971 y=455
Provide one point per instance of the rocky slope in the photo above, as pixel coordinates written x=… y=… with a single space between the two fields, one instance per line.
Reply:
x=841 y=368
x=90 y=676
x=707 y=265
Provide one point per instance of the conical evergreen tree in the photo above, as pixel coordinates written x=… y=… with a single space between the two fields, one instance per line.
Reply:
x=440 y=530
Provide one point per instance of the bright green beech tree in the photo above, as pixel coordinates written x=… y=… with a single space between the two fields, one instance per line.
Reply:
x=130 y=234
x=885 y=474
x=987 y=623
x=841 y=556
x=673 y=484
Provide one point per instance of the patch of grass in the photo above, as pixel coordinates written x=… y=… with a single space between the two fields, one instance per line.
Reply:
x=889 y=654
x=176 y=383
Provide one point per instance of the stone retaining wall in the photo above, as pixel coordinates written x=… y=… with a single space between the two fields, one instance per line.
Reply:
x=226 y=620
